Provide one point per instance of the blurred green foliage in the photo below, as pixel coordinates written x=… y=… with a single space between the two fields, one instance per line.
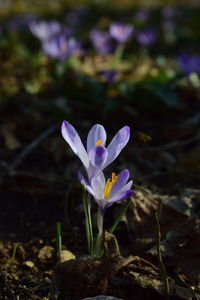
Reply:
x=8 y=7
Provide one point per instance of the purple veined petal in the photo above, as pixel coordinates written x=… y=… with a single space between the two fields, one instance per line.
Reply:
x=117 y=144
x=101 y=178
x=125 y=187
x=122 y=195
x=72 y=138
x=91 y=172
x=81 y=152
x=69 y=133
x=97 y=184
x=122 y=179
x=85 y=183
x=96 y=133
x=98 y=156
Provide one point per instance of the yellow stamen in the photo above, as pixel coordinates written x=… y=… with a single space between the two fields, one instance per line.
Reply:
x=109 y=185
x=98 y=143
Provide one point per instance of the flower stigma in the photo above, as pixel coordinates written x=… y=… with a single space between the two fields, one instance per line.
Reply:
x=99 y=142
x=109 y=185
x=63 y=47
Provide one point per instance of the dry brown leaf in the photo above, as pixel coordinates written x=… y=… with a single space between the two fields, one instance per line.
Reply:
x=8 y=132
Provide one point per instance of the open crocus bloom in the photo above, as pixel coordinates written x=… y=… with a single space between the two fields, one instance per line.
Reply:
x=60 y=47
x=121 y=32
x=44 y=30
x=108 y=192
x=96 y=156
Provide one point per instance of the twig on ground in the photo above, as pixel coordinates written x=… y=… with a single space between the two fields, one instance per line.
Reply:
x=162 y=267
x=47 y=177
x=176 y=144
x=32 y=146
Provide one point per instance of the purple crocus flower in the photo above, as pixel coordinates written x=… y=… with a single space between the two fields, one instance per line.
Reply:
x=75 y=16
x=67 y=31
x=188 y=63
x=168 y=12
x=146 y=37
x=108 y=192
x=109 y=75
x=60 y=47
x=44 y=30
x=102 y=41
x=96 y=156
x=121 y=32
x=142 y=15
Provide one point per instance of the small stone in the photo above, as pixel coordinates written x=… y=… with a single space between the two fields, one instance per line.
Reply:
x=45 y=253
x=66 y=255
x=29 y=264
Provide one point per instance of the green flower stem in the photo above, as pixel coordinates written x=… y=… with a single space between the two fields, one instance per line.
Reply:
x=124 y=209
x=98 y=248
x=58 y=240
x=117 y=56
x=73 y=62
x=88 y=221
x=14 y=251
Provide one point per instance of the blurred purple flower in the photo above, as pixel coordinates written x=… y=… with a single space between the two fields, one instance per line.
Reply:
x=102 y=41
x=109 y=75
x=188 y=63
x=95 y=157
x=108 y=192
x=44 y=30
x=60 y=47
x=168 y=12
x=142 y=15
x=16 y=22
x=67 y=31
x=121 y=32
x=75 y=16
x=146 y=37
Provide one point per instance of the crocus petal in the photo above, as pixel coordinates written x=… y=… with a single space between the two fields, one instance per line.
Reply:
x=91 y=171
x=96 y=133
x=71 y=136
x=81 y=152
x=123 y=189
x=122 y=179
x=85 y=183
x=120 y=196
x=98 y=156
x=117 y=144
x=97 y=185
x=101 y=178
x=69 y=133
